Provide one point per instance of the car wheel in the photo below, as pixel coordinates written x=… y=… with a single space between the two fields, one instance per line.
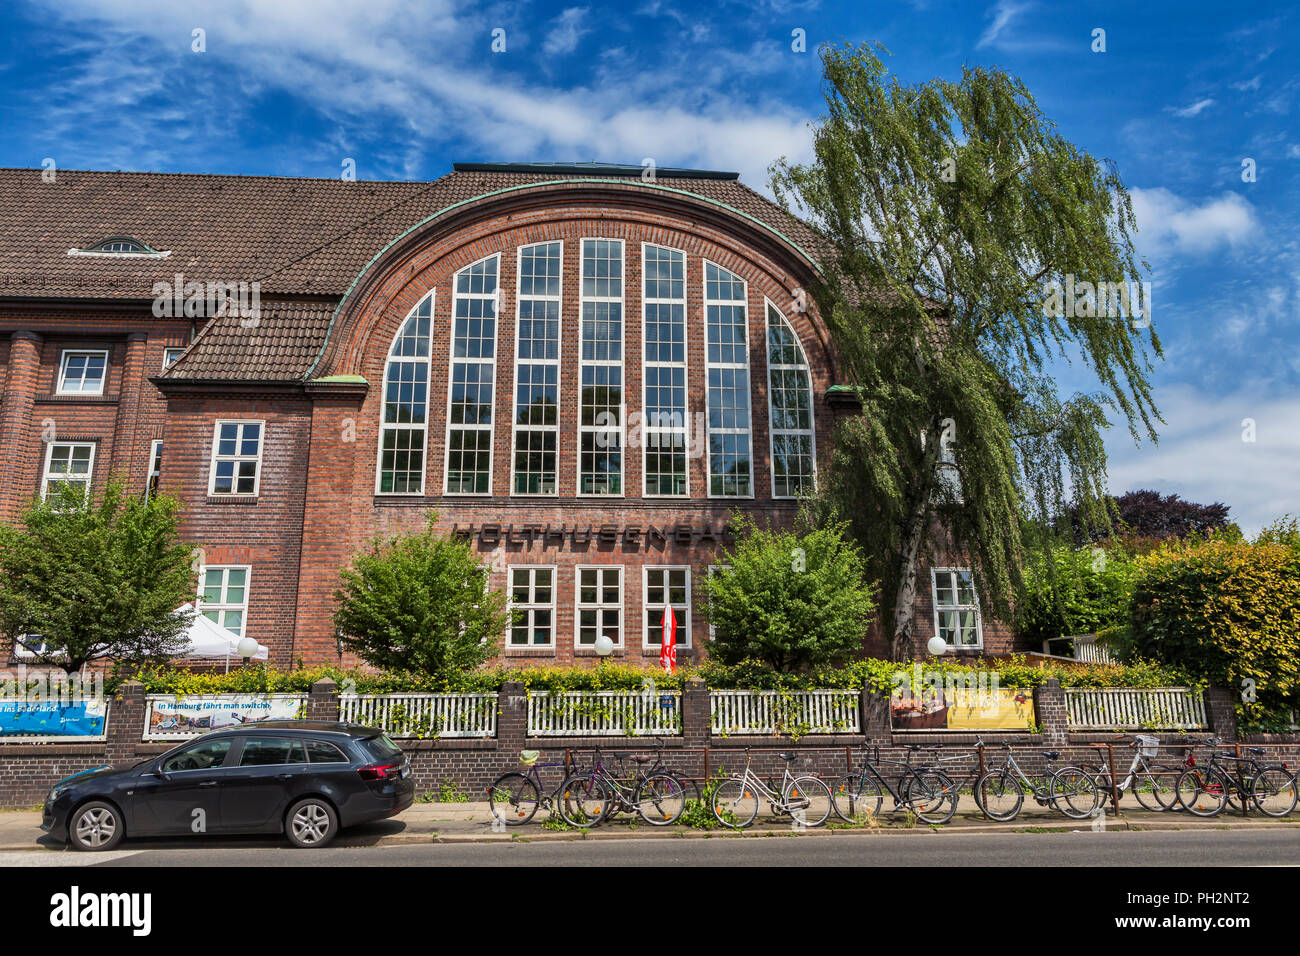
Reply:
x=95 y=826
x=311 y=823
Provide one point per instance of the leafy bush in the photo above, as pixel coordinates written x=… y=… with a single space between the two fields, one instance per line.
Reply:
x=1075 y=591
x=795 y=600
x=1228 y=611
x=420 y=602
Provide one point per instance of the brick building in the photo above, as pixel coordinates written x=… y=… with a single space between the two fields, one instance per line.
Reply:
x=582 y=371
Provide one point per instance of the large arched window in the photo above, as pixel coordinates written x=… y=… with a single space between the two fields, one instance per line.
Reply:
x=403 y=433
x=537 y=369
x=726 y=327
x=790 y=403
x=473 y=378
x=663 y=373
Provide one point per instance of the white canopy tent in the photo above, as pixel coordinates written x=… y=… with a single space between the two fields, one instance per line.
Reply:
x=208 y=639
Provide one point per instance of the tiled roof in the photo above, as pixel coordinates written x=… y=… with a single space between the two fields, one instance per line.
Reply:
x=295 y=237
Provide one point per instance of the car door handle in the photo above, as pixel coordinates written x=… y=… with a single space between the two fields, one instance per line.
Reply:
x=208 y=783
x=285 y=776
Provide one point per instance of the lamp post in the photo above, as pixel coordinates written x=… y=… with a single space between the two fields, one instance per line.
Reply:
x=604 y=647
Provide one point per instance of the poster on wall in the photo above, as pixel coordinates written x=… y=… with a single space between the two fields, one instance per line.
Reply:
x=53 y=718
x=963 y=708
x=175 y=718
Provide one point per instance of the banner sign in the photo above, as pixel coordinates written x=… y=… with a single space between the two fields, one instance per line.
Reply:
x=963 y=708
x=52 y=719
x=176 y=718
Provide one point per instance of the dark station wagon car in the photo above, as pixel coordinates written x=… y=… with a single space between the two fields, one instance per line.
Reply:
x=306 y=779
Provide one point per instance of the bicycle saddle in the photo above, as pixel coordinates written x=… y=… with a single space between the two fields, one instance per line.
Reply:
x=641 y=758
x=785 y=756
x=1257 y=751
x=1051 y=754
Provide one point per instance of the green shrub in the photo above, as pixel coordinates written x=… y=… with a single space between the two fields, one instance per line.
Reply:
x=1075 y=591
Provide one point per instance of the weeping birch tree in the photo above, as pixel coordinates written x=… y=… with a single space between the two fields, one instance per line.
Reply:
x=970 y=253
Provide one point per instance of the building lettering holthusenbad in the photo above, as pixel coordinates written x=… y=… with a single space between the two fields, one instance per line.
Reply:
x=583 y=371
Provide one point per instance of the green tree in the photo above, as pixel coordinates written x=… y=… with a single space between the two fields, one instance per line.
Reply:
x=420 y=602
x=1075 y=591
x=944 y=209
x=96 y=580
x=790 y=599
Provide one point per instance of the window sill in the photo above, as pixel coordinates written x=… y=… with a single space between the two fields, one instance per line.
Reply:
x=232 y=499
x=76 y=398
x=530 y=651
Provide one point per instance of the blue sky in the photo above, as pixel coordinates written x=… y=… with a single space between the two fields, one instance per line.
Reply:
x=1181 y=96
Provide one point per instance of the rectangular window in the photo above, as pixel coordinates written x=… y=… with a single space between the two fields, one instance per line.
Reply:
x=664 y=382
x=667 y=587
x=537 y=370
x=68 y=465
x=600 y=604
x=223 y=596
x=532 y=595
x=956 y=607
x=83 y=372
x=155 y=468
x=726 y=326
x=170 y=355
x=473 y=383
x=236 y=458
x=602 y=404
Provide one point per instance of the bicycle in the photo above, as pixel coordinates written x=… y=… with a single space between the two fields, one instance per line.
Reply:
x=1000 y=793
x=1154 y=785
x=805 y=798
x=926 y=791
x=590 y=797
x=1271 y=787
x=514 y=797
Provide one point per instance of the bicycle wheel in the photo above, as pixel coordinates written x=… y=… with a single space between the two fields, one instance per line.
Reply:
x=1000 y=795
x=1203 y=794
x=1155 y=788
x=660 y=799
x=857 y=798
x=932 y=795
x=734 y=803
x=1274 y=792
x=513 y=799
x=1073 y=791
x=809 y=800
x=582 y=801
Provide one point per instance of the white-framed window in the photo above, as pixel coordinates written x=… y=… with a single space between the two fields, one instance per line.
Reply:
x=170 y=355
x=532 y=595
x=404 y=421
x=155 y=468
x=236 y=457
x=223 y=595
x=28 y=647
x=602 y=406
x=68 y=464
x=664 y=587
x=956 y=607
x=83 y=371
x=712 y=570
x=726 y=332
x=794 y=449
x=663 y=330
x=599 y=604
x=536 y=431
x=472 y=385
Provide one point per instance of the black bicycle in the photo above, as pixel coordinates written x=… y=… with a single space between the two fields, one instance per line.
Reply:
x=929 y=793
x=1205 y=791
x=653 y=793
x=514 y=797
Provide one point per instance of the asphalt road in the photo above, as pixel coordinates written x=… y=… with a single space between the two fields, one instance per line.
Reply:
x=1181 y=848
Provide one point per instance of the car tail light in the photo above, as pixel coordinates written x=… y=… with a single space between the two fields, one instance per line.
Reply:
x=379 y=771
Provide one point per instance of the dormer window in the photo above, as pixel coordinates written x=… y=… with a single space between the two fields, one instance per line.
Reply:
x=120 y=246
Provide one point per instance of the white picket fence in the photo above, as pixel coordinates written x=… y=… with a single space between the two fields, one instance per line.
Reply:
x=800 y=712
x=604 y=713
x=1127 y=708
x=423 y=715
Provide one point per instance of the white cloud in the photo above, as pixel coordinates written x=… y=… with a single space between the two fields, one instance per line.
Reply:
x=569 y=27
x=1168 y=223
x=1003 y=14
x=1293 y=151
x=1202 y=457
x=1194 y=109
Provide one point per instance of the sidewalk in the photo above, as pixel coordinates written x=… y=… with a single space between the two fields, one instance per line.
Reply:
x=472 y=823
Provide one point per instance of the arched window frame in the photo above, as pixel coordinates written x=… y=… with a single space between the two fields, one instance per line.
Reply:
x=389 y=361
x=771 y=311
x=710 y=366
x=489 y=362
x=141 y=250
